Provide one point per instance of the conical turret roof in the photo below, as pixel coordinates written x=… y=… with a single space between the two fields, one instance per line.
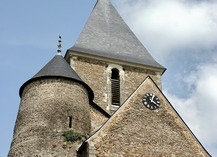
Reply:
x=106 y=34
x=58 y=67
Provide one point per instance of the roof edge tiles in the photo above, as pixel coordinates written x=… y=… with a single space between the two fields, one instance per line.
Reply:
x=58 y=68
x=107 y=35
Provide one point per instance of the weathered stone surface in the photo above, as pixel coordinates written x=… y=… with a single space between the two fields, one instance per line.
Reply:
x=135 y=130
x=43 y=116
x=135 y=76
x=92 y=72
x=96 y=75
x=97 y=119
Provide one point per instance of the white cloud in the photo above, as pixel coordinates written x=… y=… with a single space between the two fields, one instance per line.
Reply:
x=199 y=108
x=169 y=25
x=168 y=28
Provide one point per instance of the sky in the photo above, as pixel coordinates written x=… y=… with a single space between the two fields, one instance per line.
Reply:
x=180 y=34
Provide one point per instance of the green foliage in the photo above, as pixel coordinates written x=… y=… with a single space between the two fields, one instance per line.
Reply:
x=73 y=136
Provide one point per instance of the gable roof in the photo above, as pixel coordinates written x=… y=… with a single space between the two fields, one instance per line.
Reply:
x=58 y=67
x=107 y=35
x=151 y=122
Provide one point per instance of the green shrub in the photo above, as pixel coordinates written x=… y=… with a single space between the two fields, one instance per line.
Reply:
x=73 y=136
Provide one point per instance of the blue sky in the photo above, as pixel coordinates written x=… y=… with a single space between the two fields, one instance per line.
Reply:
x=181 y=35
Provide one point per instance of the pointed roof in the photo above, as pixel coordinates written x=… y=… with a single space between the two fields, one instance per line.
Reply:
x=107 y=35
x=58 y=67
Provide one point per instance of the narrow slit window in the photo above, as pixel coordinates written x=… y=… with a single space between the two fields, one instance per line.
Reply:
x=70 y=121
x=115 y=87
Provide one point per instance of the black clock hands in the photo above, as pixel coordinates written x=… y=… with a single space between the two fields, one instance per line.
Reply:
x=151 y=101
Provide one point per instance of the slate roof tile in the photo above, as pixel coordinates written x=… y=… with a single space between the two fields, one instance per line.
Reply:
x=106 y=34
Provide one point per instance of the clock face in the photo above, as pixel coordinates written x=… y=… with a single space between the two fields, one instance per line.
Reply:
x=151 y=101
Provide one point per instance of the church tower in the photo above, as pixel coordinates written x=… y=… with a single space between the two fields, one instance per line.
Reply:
x=110 y=58
x=54 y=104
x=106 y=92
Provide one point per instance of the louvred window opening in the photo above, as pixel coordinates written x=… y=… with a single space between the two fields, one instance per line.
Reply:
x=115 y=87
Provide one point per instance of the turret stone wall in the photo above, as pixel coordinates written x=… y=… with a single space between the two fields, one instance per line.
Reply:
x=97 y=75
x=43 y=116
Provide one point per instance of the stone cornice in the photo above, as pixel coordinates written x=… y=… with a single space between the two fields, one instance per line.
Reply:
x=71 y=53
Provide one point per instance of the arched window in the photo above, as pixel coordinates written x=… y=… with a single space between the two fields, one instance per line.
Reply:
x=115 y=87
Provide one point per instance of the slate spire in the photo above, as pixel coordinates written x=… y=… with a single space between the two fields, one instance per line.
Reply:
x=106 y=34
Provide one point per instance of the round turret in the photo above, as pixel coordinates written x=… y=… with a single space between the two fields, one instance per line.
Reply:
x=54 y=110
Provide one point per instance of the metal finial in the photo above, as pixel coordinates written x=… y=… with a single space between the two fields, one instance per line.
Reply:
x=59 y=45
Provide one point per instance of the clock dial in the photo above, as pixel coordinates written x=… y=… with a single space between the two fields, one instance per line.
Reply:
x=151 y=101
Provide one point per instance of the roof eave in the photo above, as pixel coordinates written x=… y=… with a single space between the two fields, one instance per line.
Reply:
x=89 y=90
x=72 y=53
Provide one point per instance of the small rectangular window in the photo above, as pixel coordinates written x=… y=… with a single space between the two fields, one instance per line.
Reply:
x=70 y=121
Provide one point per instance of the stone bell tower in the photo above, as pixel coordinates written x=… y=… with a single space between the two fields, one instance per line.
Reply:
x=55 y=100
x=110 y=58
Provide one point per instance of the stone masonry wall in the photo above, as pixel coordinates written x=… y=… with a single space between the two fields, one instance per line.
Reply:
x=96 y=75
x=93 y=73
x=135 y=131
x=43 y=116
x=135 y=76
x=97 y=119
